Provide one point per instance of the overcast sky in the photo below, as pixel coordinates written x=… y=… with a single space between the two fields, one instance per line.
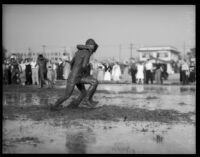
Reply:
x=57 y=26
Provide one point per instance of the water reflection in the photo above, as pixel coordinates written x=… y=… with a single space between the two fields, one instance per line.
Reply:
x=77 y=142
x=11 y=99
x=91 y=137
x=159 y=139
x=28 y=98
x=184 y=89
x=139 y=89
x=43 y=99
x=122 y=148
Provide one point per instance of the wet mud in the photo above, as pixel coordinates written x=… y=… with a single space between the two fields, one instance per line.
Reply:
x=104 y=112
x=127 y=120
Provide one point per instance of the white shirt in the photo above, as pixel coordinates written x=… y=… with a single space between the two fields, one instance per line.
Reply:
x=185 y=66
x=33 y=65
x=149 y=66
x=54 y=67
x=23 y=66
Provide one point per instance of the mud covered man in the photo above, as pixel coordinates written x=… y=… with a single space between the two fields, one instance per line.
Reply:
x=79 y=76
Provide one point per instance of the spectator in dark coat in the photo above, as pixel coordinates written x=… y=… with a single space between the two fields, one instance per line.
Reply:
x=28 y=72
x=133 y=70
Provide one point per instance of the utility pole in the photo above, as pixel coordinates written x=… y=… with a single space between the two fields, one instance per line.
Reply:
x=29 y=52
x=120 y=49
x=65 y=51
x=184 y=50
x=131 y=47
x=44 y=46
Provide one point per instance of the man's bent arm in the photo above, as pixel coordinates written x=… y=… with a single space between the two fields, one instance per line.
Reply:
x=86 y=60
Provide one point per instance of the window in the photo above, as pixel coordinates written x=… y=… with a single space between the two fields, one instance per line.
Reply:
x=163 y=55
x=166 y=55
x=144 y=55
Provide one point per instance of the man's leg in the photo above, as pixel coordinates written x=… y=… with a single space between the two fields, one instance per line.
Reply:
x=83 y=91
x=91 y=90
x=147 y=76
x=183 y=77
x=91 y=96
x=33 y=76
x=151 y=77
x=55 y=76
x=37 y=77
x=41 y=78
x=132 y=76
x=68 y=91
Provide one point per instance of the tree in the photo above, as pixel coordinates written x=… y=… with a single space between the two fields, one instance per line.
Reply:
x=4 y=53
x=192 y=53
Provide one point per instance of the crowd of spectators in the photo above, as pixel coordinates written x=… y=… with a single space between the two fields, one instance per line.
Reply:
x=25 y=71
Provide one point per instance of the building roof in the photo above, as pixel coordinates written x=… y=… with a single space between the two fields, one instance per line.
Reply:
x=156 y=48
x=158 y=60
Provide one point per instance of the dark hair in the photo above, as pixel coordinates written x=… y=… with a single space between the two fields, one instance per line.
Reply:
x=92 y=42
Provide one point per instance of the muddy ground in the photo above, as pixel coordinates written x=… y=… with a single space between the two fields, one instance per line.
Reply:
x=128 y=119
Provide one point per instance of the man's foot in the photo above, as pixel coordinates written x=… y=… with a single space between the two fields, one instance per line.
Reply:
x=74 y=104
x=54 y=107
x=87 y=104
x=94 y=102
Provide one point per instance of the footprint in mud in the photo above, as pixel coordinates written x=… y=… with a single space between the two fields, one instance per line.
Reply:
x=51 y=140
x=182 y=104
x=187 y=89
x=153 y=131
x=30 y=140
x=144 y=130
x=151 y=97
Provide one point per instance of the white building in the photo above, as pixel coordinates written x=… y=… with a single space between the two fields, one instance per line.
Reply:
x=48 y=55
x=164 y=53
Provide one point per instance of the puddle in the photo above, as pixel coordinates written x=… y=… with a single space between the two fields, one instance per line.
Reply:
x=166 y=97
x=130 y=119
x=85 y=136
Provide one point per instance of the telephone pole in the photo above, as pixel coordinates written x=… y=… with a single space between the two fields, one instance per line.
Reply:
x=184 y=50
x=120 y=49
x=44 y=46
x=131 y=47
x=29 y=52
